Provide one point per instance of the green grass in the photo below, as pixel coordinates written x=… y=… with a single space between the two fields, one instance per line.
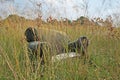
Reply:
x=103 y=62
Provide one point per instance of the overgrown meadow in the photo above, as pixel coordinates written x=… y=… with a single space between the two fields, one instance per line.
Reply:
x=103 y=62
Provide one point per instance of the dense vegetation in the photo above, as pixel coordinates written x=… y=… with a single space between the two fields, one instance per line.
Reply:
x=104 y=50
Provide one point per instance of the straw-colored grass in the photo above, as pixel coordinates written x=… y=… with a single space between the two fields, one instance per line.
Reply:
x=103 y=62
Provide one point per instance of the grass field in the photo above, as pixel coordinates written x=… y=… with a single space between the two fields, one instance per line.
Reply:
x=103 y=62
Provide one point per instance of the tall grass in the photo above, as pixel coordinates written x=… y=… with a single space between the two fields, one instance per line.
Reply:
x=103 y=62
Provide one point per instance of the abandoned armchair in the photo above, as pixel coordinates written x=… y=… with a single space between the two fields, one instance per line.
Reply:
x=35 y=46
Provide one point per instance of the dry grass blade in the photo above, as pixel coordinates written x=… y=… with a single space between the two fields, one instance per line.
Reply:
x=7 y=60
